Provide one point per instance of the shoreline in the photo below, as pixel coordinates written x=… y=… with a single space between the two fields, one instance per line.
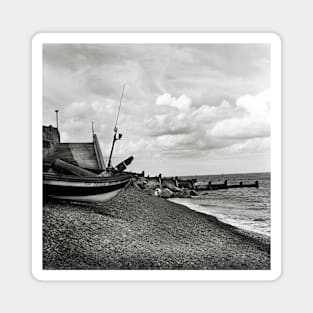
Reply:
x=193 y=208
x=138 y=231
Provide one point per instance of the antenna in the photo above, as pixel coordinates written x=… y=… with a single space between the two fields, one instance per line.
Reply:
x=115 y=137
x=57 y=118
x=92 y=129
x=119 y=108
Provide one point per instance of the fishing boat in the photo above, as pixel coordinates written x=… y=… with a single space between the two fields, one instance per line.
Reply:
x=77 y=172
x=84 y=189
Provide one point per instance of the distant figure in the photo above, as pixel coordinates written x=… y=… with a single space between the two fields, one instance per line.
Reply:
x=157 y=192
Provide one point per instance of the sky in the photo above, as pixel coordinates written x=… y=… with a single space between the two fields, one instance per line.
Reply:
x=187 y=109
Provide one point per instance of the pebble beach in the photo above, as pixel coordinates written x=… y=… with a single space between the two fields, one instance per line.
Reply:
x=139 y=231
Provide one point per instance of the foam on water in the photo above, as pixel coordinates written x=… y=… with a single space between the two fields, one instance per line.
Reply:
x=246 y=208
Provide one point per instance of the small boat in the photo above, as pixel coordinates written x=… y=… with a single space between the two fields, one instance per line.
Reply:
x=86 y=189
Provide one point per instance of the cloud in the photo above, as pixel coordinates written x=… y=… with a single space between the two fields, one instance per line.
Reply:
x=254 y=123
x=182 y=103
x=186 y=102
x=186 y=130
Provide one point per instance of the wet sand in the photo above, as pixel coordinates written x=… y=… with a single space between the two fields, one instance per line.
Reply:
x=138 y=231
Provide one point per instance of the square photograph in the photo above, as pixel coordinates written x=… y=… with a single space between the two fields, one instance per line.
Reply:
x=156 y=156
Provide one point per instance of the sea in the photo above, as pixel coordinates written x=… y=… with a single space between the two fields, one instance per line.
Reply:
x=245 y=208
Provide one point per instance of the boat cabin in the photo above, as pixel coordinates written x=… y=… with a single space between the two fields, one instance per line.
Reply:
x=86 y=155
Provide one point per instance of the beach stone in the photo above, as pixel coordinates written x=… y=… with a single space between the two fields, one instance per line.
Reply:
x=166 y=193
x=171 y=187
x=193 y=193
x=138 y=231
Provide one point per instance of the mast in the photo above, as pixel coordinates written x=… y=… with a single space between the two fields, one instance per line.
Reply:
x=92 y=129
x=57 y=118
x=115 y=136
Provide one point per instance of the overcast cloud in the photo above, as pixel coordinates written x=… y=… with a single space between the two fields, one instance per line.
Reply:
x=187 y=109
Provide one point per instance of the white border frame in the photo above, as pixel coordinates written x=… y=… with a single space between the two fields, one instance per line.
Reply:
x=150 y=38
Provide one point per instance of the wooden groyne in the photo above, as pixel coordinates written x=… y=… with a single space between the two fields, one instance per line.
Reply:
x=198 y=186
x=182 y=187
x=225 y=185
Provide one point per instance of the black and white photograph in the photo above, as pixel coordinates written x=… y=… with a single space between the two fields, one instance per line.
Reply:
x=157 y=157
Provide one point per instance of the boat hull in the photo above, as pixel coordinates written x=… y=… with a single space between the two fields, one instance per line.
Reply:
x=84 y=189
